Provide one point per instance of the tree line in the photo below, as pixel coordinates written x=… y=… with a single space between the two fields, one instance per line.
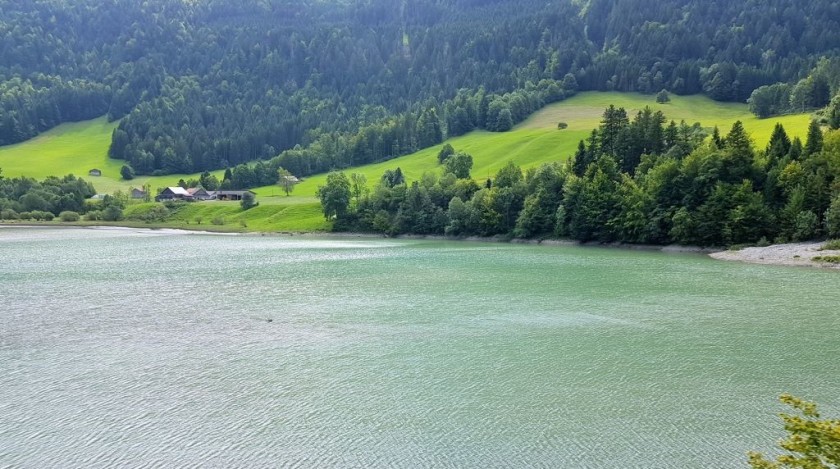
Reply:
x=813 y=92
x=27 y=198
x=635 y=179
x=328 y=84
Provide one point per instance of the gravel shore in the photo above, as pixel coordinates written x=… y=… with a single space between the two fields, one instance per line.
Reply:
x=801 y=254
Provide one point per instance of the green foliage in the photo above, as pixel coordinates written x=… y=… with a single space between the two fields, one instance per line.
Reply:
x=41 y=216
x=321 y=93
x=209 y=181
x=358 y=187
x=809 y=93
x=335 y=195
x=9 y=214
x=827 y=259
x=69 y=216
x=127 y=172
x=286 y=180
x=392 y=178
x=680 y=188
x=814 y=140
x=281 y=214
x=148 y=213
x=459 y=164
x=831 y=245
x=806 y=225
x=445 y=152
x=770 y=100
x=248 y=201
x=663 y=97
x=811 y=443
x=53 y=194
x=112 y=213
x=832 y=218
x=562 y=126
x=833 y=113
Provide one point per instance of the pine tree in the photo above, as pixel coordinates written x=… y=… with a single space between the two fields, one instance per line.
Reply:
x=814 y=141
x=779 y=145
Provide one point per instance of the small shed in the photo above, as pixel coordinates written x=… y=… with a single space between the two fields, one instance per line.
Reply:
x=95 y=172
x=138 y=194
x=232 y=195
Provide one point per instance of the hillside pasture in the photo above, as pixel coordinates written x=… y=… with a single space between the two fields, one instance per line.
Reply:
x=76 y=148
x=537 y=140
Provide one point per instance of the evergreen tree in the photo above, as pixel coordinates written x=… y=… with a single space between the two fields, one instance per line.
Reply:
x=779 y=145
x=814 y=140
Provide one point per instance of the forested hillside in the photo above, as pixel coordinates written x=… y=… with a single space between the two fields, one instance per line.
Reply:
x=635 y=179
x=208 y=84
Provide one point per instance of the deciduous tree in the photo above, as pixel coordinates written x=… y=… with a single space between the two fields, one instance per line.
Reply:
x=812 y=442
x=335 y=195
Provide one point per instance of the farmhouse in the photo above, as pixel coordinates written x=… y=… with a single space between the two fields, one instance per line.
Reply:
x=199 y=193
x=174 y=193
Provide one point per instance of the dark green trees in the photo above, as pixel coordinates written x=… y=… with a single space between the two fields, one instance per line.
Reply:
x=445 y=153
x=678 y=186
x=127 y=172
x=833 y=114
x=53 y=195
x=335 y=195
x=459 y=164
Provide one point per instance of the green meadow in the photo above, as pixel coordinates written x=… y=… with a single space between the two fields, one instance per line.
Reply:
x=229 y=217
x=76 y=148
x=79 y=147
x=537 y=140
x=73 y=148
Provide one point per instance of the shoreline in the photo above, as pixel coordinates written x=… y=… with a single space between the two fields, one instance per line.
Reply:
x=791 y=254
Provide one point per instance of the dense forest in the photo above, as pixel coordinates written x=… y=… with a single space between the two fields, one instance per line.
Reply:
x=209 y=84
x=636 y=179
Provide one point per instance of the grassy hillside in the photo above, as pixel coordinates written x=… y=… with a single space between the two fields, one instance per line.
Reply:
x=67 y=149
x=229 y=216
x=537 y=140
x=77 y=148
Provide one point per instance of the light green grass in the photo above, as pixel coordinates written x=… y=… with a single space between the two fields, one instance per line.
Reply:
x=76 y=148
x=537 y=140
x=293 y=217
x=584 y=112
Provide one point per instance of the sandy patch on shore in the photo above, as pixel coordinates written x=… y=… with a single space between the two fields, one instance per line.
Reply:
x=801 y=254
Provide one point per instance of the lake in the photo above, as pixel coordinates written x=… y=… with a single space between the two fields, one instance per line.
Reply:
x=123 y=347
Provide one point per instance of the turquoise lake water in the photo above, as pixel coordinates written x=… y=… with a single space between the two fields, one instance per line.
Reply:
x=135 y=348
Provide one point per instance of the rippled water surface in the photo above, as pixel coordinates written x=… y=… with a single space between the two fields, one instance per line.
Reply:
x=159 y=349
